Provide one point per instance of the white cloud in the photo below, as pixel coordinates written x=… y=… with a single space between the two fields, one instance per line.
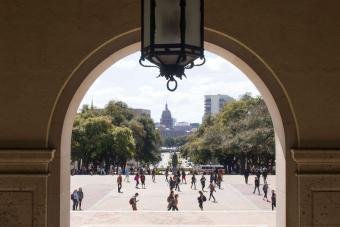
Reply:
x=126 y=63
x=216 y=64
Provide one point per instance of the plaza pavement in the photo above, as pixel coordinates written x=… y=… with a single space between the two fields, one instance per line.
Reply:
x=236 y=205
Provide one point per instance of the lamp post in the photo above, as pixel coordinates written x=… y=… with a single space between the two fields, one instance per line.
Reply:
x=172 y=36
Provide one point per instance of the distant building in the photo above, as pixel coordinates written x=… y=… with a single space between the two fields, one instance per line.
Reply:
x=168 y=128
x=157 y=125
x=166 y=119
x=213 y=104
x=184 y=126
x=166 y=132
x=139 y=112
x=195 y=125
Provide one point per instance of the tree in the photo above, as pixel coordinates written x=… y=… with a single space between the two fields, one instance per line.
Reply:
x=147 y=139
x=123 y=146
x=113 y=135
x=119 y=112
x=91 y=139
x=242 y=133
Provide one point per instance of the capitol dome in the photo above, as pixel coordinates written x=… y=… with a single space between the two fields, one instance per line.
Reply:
x=166 y=118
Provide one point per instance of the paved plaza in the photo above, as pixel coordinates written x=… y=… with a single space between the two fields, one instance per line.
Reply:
x=236 y=204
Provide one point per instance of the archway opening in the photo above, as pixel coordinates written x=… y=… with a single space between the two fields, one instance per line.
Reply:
x=252 y=75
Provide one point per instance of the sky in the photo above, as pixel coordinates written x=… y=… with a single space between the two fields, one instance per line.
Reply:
x=138 y=87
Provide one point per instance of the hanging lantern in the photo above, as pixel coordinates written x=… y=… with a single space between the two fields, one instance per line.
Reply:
x=172 y=36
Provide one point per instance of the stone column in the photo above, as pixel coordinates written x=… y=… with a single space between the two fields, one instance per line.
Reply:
x=23 y=187
x=318 y=173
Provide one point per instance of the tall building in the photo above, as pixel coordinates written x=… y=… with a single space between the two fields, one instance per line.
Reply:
x=213 y=104
x=166 y=118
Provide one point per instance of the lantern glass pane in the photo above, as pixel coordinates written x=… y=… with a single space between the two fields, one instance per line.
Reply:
x=193 y=23
x=167 y=19
x=146 y=23
x=187 y=60
x=168 y=59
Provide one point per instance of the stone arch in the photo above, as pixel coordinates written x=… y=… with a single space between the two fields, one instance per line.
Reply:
x=78 y=82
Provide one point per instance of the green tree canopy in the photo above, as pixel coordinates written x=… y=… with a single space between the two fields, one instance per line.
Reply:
x=114 y=135
x=241 y=133
x=119 y=112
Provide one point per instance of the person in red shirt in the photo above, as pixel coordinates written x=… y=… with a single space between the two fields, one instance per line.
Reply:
x=137 y=180
x=142 y=179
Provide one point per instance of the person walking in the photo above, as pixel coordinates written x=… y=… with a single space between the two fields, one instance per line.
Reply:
x=75 y=199
x=246 y=175
x=265 y=191
x=258 y=174
x=172 y=183
x=153 y=173
x=170 y=200
x=178 y=174
x=212 y=190
x=133 y=202
x=177 y=182
x=193 y=181
x=215 y=175
x=212 y=177
x=256 y=185
x=91 y=170
x=119 y=183
x=102 y=171
x=265 y=174
x=273 y=199
x=202 y=180
x=127 y=174
x=166 y=174
x=175 y=203
x=201 y=199
x=142 y=179
x=184 y=176
x=219 y=180
x=80 y=197
x=137 y=180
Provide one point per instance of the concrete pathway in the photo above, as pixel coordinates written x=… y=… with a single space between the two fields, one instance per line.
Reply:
x=236 y=205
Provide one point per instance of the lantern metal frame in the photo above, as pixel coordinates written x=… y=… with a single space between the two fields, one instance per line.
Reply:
x=182 y=50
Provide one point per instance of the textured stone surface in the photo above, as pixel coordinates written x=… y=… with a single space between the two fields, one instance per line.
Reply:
x=319 y=187
x=16 y=209
x=326 y=208
x=23 y=187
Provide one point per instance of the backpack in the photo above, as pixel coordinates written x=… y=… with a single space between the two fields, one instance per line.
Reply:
x=131 y=201
x=265 y=187
x=169 y=199
x=72 y=196
x=204 y=198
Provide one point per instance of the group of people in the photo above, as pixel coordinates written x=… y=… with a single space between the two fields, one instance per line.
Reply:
x=77 y=197
x=180 y=177
x=258 y=172
x=98 y=169
x=139 y=178
x=173 y=200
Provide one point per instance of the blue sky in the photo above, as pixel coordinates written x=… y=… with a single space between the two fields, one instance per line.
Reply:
x=137 y=86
